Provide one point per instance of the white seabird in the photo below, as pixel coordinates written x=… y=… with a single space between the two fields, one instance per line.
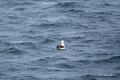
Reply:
x=62 y=46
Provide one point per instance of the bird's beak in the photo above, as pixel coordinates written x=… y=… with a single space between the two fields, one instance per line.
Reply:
x=64 y=42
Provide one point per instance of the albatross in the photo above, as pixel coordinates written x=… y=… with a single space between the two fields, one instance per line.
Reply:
x=62 y=46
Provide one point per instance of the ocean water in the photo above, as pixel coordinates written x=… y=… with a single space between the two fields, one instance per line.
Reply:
x=30 y=30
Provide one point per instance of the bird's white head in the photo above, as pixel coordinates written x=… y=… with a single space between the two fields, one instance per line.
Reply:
x=62 y=43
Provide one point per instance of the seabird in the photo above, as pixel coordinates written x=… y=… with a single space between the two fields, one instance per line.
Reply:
x=62 y=46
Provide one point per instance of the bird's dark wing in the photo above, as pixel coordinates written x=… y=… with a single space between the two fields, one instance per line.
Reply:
x=59 y=46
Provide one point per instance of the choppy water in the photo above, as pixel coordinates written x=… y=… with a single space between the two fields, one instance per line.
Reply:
x=30 y=30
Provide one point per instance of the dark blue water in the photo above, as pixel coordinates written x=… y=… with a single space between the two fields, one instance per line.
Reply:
x=30 y=30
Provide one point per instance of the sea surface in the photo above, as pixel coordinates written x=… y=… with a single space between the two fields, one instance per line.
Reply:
x=30 y=30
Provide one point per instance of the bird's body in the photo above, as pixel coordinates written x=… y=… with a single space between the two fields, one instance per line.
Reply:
x=62 y=46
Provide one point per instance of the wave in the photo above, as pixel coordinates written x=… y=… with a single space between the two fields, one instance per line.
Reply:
x=33 y=68
x=13 y=50
x=23 y=77
x=106 y=5
x=75 y=10
x=20 y=9
x=114 y=59
x=77 y=37
x=65 y=66
x=26 y=43
x=39 y=62
x=66 y=4
x=46 y=41
x=82 y=61
x=17 y=3
x=117 y=68
x=99 y=77
x=88 y=41
x=44 y=25
x=13 y=69
x=2 y=74
x=13 y=17
x=79 y=45
x=80 y=26
x=109 y=60
x=88 y=77
x=100 y=14
x=118 y=75
x=46 y=61
x=23 y=44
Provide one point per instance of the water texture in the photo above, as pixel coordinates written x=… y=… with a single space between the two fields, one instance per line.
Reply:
x=30 y=30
